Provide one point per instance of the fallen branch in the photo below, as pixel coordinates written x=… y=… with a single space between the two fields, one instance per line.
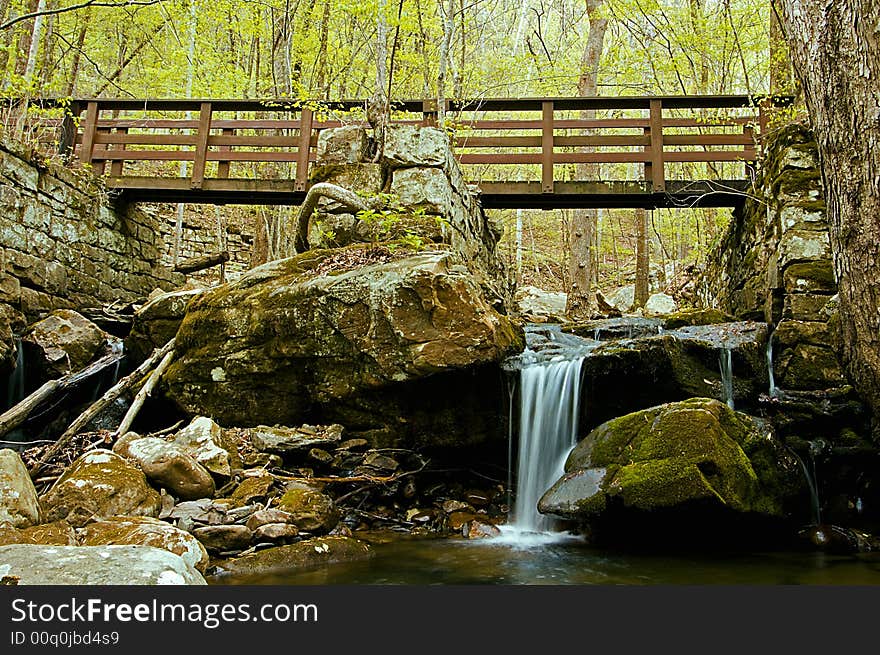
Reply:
x=323 y=190
x=15 y=416
x=112 y=394
x=141 y=396
x=201 y=263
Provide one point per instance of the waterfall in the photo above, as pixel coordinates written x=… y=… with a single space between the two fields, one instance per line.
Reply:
x=725 y=360
x=15 y=385
x=810 y=477
x=548 y=420
x=772 y=379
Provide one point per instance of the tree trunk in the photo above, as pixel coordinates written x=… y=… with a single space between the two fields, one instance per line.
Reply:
x=448 y=26
x=581 y=294
x=835 y=47
x=641 y=292
x=780 y=68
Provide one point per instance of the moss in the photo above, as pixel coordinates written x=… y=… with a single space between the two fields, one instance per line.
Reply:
x=323 y=172
x=250 y=489
x=696 y=317
x=816 y=276
x=303 y=555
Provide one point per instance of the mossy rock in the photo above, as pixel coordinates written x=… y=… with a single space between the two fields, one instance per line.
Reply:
x=309 y=509
x=100 y=484
x=804 y=356
x=59 y=533
x=697 y=451
x=307 y=554
x=288 y=342
x=709 y=316
x=806 y=277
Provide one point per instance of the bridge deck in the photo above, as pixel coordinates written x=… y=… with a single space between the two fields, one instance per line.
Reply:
x=653 y=151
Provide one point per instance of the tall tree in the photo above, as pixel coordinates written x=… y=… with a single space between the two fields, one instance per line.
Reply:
x=835 y=47
x=581 y=293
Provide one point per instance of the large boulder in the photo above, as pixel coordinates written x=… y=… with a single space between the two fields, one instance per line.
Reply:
x=144 y=531
x=19 y=506
x=696 y=454
x=305 y=339
x=95 y=565
x=279 y=439
x=306 y=554
x=804 y=356
x=167 y=465
x=62 y=342
x=100 y=484
x=537 y=305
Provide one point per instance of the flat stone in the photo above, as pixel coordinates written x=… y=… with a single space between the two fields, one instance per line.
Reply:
x=96 y=565
x=267 y=516
x=412 y=145
x=276 y=532
x=19 y=505
x=59 y=533
x=342 y=145
x=289 y=440
x=306 y=554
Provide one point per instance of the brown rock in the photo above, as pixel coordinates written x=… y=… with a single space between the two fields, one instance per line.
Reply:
x=267 y=516
x=221 y=538
x=275 y=532
x=19 y=505
x=65 y=341
x=168 y=465
x=305 y=554
x=312 y=510
x=478 y=529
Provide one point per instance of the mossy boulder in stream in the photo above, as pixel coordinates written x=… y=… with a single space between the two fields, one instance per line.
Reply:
x=692 y=455
x=403 y=351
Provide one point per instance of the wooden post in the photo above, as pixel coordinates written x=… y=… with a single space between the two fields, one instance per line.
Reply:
x=223 y=166
x=658 y=174
x=90 y=127
x=302 y=153
x=547 y=147
x=201 y=153
x=116 y=166
x=649 y=169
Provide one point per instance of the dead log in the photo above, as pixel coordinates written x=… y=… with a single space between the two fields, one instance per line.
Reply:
x=15 y=416
x=201 y=263
x=323 y=190
x=142 y=394
x=95 y=408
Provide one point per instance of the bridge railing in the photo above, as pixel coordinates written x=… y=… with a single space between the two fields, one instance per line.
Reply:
x=239 y=145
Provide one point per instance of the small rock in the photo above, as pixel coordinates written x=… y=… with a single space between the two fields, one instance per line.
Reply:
x=96 y=565
x=267 y=516
x=459 y=519
x=450 y=506
x=241 y=514
x=221 y=538
x=204 y=511
x=477 y=529
x=263 y=460
x=285 y=440
x=353 y=444
x=478 y=498
x=320 y=456
x=276 y=532
x=100 y=484
x=19 y=505
x=168 y=465
x=59 y=533
x=377 y=464
x=202 y=439
x=252 y=489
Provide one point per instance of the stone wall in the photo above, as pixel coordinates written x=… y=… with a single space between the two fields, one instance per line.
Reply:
x=64 y=245
x=774 y=264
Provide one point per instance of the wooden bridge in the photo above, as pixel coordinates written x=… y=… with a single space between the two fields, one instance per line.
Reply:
x=653 y=151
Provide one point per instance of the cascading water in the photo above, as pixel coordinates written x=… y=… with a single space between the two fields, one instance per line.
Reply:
x=549 y=407
x=725 y=361
x=770 y=376
x=15 y=385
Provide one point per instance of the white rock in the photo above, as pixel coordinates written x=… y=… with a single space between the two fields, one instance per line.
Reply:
x=96 y=565
x=410 y=145
x=660 y=303
x=201 y=439
x=622 y=298
x=537 y=303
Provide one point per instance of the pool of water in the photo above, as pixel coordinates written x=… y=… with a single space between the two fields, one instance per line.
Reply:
x=572 y=562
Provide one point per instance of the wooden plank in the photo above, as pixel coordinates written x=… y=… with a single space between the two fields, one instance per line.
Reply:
x=724 y=155
x=658 y=174
x=547 y=148
x=302 y=154
x=68 y=130
x=201 y=151
x=223 y=165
